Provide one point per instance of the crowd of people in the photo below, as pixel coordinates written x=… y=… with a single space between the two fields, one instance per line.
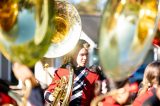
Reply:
x=90 y=87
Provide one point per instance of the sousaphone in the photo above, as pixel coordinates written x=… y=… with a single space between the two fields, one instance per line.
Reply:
x=67 y=29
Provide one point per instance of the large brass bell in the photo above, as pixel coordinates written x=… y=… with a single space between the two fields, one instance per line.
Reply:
x=127 y=30
x=67 y=29
x=26 y=27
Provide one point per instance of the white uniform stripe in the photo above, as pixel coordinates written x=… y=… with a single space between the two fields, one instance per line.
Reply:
x=104 y=87
x=46 y=92
x=79 y=76
x=78 y=86
x=76 y=95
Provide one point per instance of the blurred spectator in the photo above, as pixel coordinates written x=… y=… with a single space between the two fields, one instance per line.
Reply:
x=137 y=77
x=102 y=85
x=117 y=97
x=151 y=80
x=23 y=73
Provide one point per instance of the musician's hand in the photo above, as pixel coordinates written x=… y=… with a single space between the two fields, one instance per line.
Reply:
x=22 y=73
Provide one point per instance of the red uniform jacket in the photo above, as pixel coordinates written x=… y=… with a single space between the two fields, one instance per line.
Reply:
x=140 y=100
x=83 y=87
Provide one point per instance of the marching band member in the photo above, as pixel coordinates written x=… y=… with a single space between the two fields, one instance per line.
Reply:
x=84 y=79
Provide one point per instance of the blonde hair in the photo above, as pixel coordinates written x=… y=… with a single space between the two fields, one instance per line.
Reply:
x=68 y=58
x=151 y=76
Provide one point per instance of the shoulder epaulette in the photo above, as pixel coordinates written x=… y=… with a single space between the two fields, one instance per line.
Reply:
x=91 y=70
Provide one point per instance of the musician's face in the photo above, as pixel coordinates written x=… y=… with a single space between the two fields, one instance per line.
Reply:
x=82 y=57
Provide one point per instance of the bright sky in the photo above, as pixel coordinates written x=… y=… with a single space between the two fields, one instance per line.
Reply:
x=76 y=1
x=101 y=3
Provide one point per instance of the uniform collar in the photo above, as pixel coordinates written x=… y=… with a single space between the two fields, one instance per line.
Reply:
x=78 y=70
